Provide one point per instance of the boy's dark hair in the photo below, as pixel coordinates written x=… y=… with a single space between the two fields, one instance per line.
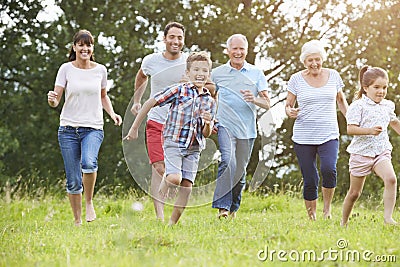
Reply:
x=198 y=56
x=171 y=25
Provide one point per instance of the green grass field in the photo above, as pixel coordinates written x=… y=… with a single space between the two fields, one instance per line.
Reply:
x=268 y=231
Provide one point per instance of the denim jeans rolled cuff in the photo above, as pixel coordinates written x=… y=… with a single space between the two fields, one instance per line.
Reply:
x=307 y=158
x=79 y=148
x=231 y=178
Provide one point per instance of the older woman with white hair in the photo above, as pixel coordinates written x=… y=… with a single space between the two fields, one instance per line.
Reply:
x=316 y=131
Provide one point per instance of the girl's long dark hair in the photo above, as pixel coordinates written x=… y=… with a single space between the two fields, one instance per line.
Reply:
x=82 y=36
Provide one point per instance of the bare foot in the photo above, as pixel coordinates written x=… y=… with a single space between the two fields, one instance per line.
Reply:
x=171 y=223
x=173 y=190
x=90 y=213
x=78 y=223
x=160 y=220
x=167 y=190
x=163 y=189
x=391 y=222
x=312 y=216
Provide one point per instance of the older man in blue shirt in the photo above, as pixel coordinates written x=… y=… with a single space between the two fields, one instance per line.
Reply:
x=241 y=87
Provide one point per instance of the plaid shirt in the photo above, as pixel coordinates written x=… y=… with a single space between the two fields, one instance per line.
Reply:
x=184 y=124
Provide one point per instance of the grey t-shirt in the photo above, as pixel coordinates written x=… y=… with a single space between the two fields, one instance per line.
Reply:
x=163 y=73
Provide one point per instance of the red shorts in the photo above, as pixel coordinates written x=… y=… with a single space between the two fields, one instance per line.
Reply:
x=154 y=141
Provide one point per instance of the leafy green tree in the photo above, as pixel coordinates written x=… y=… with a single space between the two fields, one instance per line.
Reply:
x=32 y=49
x=27 y=60
x=373 y=39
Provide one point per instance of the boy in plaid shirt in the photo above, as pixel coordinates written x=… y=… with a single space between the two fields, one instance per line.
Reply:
x=189 y=123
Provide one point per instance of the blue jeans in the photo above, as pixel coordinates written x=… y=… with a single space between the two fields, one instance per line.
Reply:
x=231 y=180
x=79 y=148
x=307 y=158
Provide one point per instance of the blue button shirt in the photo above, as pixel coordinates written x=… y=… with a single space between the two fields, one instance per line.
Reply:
x=233 y=111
